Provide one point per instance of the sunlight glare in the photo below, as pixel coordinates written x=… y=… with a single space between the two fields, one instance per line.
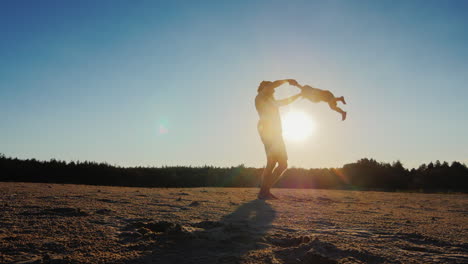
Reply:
x=297 y=126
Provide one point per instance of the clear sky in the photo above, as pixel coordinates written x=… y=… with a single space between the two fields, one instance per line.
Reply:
x=173 y=82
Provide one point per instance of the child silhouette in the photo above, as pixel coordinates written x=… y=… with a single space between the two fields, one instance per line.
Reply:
x=317 y=95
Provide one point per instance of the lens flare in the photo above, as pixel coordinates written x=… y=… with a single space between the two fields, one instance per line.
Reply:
x=163 y=130
x=163 y=127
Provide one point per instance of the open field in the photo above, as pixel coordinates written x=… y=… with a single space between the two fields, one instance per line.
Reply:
x=53 y=223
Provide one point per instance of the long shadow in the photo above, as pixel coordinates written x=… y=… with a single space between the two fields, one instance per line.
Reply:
x=254 y=213
x=223 y=241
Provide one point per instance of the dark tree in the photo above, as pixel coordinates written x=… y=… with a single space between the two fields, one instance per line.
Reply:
x=366 y=174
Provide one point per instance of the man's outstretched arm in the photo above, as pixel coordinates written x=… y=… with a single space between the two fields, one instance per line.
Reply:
x=288 y=100
x=281 y=82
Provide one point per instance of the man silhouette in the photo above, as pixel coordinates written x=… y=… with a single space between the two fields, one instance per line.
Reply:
x=269 y=128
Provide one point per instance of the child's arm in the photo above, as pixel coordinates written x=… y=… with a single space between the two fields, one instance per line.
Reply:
x=295 y=83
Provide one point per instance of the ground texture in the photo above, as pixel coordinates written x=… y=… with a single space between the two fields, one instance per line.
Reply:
x=53 y=223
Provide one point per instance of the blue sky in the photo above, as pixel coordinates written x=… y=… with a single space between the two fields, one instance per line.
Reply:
x=98 y=80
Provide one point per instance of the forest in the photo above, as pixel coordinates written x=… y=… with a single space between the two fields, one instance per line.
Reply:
x=364 y=174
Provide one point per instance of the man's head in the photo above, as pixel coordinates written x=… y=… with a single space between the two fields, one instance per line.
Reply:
x=265 y=87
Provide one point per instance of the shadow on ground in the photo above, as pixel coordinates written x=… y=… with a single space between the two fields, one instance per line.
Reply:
x=223 y=241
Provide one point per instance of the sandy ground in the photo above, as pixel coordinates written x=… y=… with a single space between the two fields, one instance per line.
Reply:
x=53 y=223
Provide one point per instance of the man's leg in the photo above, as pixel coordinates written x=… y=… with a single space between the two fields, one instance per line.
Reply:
x=278 y=173
x=266 y=178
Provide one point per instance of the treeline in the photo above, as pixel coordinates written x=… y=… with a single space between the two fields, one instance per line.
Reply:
x=365 y=174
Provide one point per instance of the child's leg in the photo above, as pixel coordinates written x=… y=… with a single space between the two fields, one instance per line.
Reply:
x=337 y=109
x=341 y=99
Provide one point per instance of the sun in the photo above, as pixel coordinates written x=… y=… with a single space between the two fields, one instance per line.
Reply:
x=297 y=126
